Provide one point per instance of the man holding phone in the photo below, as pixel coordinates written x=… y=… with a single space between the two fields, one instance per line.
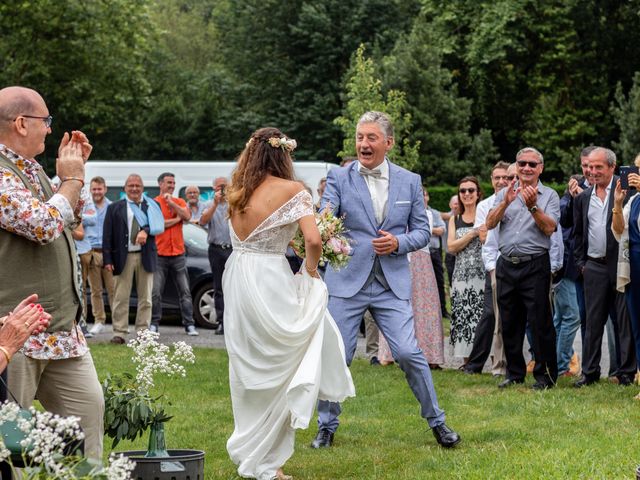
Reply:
x=215 y=217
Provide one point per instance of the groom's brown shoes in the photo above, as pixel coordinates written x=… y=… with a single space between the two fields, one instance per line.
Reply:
x=323 y=439
x=445 y=436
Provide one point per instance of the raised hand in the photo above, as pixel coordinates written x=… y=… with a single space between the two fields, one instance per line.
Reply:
x=385 y=244
x=530 y=195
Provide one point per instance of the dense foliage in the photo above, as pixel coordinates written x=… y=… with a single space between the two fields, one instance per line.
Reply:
x=471 y=80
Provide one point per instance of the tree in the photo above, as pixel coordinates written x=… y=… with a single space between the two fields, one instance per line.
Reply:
x=364 y=93
x=87 y=59
x=626 y=112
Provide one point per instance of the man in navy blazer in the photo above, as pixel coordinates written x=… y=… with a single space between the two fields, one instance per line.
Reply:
x=384 y=213
x=128 y=249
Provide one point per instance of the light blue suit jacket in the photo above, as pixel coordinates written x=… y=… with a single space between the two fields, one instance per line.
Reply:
x=348 y=195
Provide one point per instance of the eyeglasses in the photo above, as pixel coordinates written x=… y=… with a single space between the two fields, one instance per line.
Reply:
x=524 y=163
x=501 y=177
x=48 y=120
x=467 y=190
x=510 y=177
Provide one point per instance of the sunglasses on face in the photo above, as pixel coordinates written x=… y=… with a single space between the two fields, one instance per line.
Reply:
x=524 y=163
x=467 y=190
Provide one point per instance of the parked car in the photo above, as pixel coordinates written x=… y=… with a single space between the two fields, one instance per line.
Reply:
x=200 y=280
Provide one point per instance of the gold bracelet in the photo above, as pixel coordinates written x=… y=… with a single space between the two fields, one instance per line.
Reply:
x=312 y=270
x=78 y=179
x=5 y=352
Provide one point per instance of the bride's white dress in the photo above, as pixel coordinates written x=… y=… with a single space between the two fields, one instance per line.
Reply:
x=285 y=351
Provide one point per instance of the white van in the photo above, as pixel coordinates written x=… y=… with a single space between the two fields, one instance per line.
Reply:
x=202 y=174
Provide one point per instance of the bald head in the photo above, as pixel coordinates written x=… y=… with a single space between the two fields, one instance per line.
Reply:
x=23 y=121
x=16 y=101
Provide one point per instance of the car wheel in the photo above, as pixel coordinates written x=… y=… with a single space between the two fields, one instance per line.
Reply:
x=204 y=310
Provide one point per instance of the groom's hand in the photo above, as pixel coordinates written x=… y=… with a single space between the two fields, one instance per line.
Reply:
x=385 y=244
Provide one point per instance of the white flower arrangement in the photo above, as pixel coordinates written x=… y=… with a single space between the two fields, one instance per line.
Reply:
x=130 y=405
x=47 y=438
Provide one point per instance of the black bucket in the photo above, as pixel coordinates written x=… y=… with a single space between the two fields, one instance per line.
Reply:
x=179 y=465
x=638 y=473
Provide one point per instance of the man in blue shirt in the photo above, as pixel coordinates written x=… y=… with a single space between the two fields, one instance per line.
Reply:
x=97 y=274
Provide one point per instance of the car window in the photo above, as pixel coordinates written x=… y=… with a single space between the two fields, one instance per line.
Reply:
x=195 y=237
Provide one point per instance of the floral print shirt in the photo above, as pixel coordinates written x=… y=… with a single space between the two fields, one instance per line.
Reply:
x=38 y=221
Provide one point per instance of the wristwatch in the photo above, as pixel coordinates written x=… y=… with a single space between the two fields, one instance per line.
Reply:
x=534 y=209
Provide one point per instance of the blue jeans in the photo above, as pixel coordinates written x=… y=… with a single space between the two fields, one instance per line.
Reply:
x=177 y=268
x=566 y=320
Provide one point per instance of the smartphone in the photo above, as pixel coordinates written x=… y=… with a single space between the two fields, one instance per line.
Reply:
x=624 y=176
x=222 y=190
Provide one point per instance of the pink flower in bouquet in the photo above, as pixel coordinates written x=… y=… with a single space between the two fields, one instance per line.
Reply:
x=346 y=248
x=335 y=244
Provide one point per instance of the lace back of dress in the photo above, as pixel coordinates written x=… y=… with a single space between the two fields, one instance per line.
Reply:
x=273 y=235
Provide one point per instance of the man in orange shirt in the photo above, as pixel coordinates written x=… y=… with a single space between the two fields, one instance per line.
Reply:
x=171 y=258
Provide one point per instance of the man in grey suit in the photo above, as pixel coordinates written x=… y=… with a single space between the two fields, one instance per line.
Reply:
x=386 y=218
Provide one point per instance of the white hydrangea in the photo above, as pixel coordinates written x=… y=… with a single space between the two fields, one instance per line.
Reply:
x=120 y=467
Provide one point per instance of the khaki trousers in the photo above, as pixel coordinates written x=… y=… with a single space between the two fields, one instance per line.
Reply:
x=98 y=276
x=85 y=260
x=65 y=387
x=498 y=359
x=372 y=334
x=122 y=293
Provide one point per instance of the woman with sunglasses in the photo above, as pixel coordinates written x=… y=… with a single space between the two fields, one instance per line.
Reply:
x=467 y=285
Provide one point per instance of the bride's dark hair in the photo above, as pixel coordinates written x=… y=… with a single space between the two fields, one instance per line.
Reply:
x=258 y=159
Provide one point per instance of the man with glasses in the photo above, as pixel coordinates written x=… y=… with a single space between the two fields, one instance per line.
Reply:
x=527 y=213
x=485 y=337
x=38 y=255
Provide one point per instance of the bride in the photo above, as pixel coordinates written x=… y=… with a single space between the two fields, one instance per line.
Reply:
x=285 y=351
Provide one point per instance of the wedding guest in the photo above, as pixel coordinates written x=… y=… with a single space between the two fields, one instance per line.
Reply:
x=625 y=226
x=528 y=213
x=467 y=286
x=436 y=246
x=129 y=250
x=596 y=256
x=277 y=370
x=427 y=316
x=384 y=213
x=172 y=262
x=196 y=206
x=322 y=184
x=215 y=218
x=37 y=254
x=100 y=278
x=487 y=340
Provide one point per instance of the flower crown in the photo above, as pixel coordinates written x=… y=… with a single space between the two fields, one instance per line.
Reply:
x=288 y=144
x=284 y=143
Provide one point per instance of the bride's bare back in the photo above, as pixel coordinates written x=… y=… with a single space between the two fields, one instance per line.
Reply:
x=268 y=197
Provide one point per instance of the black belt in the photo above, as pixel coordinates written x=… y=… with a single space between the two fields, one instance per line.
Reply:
x=223 y=246
x=521 y=258
x=601 y=260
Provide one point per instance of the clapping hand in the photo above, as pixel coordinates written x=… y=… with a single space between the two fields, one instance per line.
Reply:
x=574 y=188
x=530 y=196
x=79 y=138
x=511 y=192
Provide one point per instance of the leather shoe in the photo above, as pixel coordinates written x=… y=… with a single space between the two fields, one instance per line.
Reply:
x=323 y=439
x=470 y=371
x=625 y=380
x=117 y=341
x=220 y=330
x=542 y=386
x=585 y=382
x=445 y=436
x=510 y=382
x=374 y=361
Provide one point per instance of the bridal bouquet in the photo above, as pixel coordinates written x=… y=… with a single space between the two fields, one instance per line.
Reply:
x=336 y=248
x=48 y=451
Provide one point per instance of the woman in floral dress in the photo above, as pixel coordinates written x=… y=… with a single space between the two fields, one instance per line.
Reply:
x=467 y=286
x=427 y=314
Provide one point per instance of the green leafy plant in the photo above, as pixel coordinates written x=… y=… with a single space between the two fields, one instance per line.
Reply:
x=131 y=406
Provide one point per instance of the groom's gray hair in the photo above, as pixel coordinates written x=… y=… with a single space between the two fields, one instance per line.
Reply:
x=381 y=119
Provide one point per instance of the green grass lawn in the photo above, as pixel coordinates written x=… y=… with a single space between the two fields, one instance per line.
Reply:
x=562 y=433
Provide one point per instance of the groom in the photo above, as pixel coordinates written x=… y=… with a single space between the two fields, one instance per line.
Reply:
x=384 y=212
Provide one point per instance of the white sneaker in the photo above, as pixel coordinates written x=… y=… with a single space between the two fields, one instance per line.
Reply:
x=191 y=331
x=97 y=328
x=153 y=328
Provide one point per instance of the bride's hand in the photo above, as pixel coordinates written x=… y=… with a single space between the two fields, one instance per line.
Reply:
x=312 y=271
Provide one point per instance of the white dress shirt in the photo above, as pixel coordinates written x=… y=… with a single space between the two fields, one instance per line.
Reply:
x=597 y=215
x=490 y=252
x=379 y=190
